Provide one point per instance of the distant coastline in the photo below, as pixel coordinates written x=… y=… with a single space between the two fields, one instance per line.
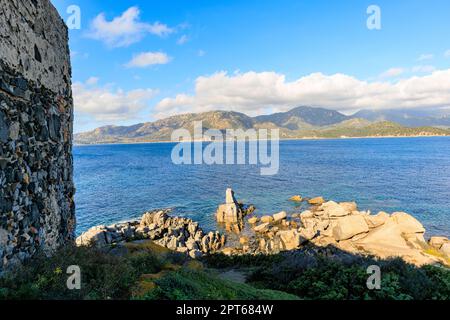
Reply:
x=301 y=123
x=281 y=139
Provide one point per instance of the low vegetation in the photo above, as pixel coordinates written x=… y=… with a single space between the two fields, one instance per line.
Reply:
x=319 y=277
x=146 y=272
x=188 y=284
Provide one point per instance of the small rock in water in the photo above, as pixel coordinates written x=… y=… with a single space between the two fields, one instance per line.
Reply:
x=316 y=201
x=297 y=198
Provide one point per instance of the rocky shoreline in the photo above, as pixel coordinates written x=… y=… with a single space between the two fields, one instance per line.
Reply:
x=175 y=233
x=325 y=224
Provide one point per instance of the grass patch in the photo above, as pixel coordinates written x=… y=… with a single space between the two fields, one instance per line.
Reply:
x=192 y=284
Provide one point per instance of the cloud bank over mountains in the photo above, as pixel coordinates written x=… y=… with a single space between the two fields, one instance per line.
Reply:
x=255 y=93
x=106 y=103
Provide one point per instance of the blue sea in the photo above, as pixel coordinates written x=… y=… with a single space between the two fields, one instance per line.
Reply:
x=120 y=182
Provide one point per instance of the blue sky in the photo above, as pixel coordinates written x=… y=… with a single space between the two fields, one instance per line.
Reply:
x=254 y=56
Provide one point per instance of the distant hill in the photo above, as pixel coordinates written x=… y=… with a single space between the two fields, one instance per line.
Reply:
x=380 y=129
x=301 y=122
x=161 y=130
x=298 y=117
x=408 y=117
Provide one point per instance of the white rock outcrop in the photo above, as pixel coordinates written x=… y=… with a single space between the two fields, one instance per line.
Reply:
x=229 y=212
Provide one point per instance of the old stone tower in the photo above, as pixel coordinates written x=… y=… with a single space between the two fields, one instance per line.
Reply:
x=36 y=114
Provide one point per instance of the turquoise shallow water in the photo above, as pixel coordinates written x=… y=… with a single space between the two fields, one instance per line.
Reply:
x=120 y=182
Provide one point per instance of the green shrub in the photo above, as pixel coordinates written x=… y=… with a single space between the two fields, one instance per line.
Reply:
x=146 y=272
x=200 y=285
x=319 y=277
x=104 y=276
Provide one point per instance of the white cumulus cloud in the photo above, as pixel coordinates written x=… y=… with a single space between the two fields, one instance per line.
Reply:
x=109 y=104
x=125 y=29
x=146 y=59
x=260 y=92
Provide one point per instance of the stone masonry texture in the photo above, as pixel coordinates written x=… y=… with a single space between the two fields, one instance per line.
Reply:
x=37 y=212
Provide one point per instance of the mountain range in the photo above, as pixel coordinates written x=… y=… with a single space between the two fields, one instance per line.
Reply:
x=300 y=122
x=408 y=117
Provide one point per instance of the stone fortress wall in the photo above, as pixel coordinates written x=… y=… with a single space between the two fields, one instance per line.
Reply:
x=37 y=210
